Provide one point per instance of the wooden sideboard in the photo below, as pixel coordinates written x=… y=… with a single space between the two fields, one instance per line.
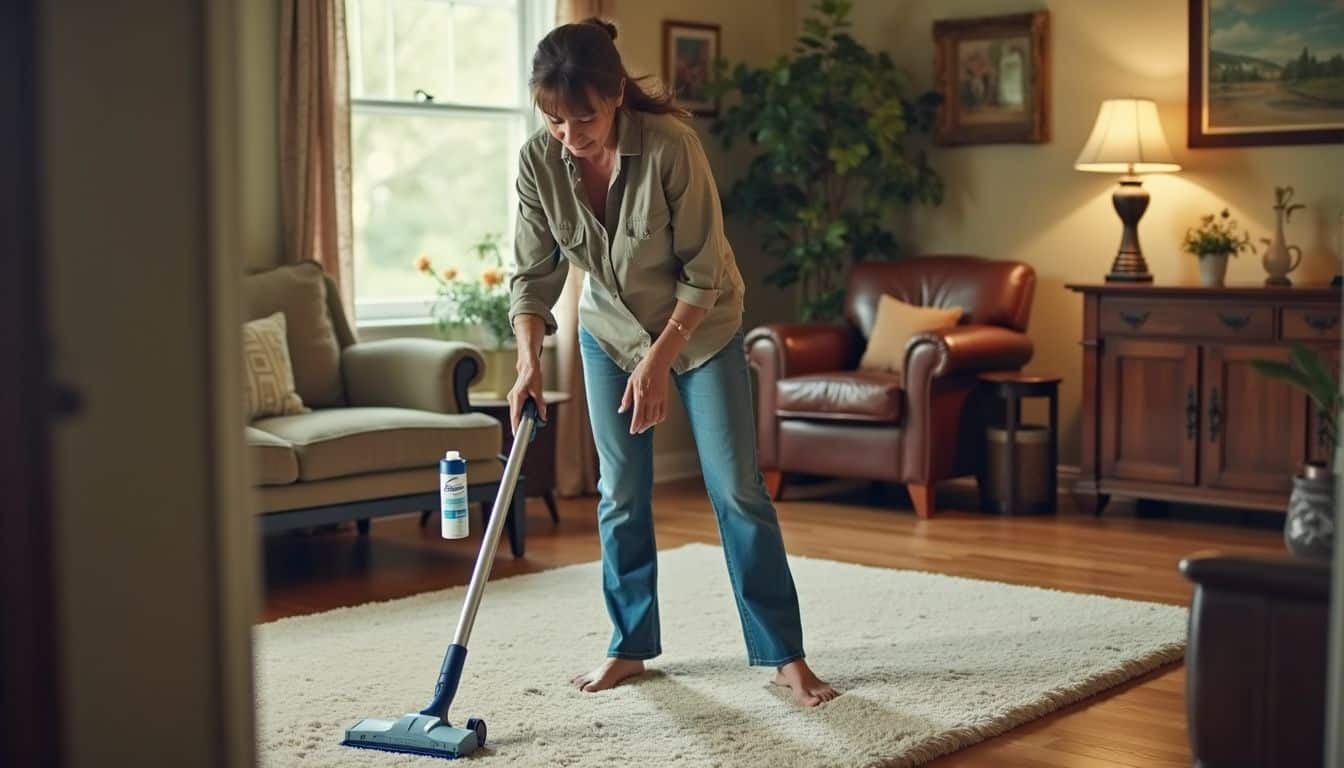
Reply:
x=1173 y=410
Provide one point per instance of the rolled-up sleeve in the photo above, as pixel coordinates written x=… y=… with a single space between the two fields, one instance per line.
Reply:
x=540 y=267
x=697 y=224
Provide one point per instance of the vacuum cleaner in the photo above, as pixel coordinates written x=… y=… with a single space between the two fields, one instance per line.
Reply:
x=428 y=731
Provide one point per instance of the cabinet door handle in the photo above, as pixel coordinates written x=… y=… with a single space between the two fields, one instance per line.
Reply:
x=1215 y=417
x=1235 y=322
x=1134 y=319
x=1322 y=322
x=1191 y=414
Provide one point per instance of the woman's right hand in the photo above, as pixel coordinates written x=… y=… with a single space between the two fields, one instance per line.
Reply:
x=529 y=384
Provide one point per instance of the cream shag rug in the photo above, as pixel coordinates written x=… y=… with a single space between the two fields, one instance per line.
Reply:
x=927 y=664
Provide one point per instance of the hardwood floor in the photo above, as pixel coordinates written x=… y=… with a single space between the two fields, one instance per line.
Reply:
x=1124 y=554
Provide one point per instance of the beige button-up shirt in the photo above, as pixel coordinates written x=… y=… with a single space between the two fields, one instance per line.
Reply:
x=663 y=240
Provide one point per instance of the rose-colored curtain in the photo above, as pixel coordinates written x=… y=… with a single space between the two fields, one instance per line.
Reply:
x=315 y=139
x=576 y=469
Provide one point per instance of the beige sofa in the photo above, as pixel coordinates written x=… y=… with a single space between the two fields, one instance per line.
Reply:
x=383 y=413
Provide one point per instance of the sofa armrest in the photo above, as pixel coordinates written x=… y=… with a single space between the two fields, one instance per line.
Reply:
x=425 y=374
x=966 y=349
x=1297 y=579
x=802 y=348
x=1257 y=660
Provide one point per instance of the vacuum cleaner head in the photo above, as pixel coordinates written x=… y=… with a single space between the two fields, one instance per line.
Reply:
x=417 y=734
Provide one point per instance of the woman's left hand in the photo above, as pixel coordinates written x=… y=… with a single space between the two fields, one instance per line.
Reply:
x=646 y=392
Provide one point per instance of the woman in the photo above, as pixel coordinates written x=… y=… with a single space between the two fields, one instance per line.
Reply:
x=619 y=185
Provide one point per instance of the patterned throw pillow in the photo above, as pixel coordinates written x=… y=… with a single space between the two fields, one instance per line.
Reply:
x=267 y=372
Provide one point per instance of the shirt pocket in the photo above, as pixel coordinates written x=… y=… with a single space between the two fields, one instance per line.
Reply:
x=570 y=239
x=647 y=226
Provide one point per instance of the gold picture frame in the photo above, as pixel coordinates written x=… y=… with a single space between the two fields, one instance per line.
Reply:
x=994 y=76
x=689 y=51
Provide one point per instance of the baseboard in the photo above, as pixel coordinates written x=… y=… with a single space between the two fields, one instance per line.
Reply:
x=675 y=465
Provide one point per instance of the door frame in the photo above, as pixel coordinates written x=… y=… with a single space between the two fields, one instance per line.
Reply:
x=29 y=665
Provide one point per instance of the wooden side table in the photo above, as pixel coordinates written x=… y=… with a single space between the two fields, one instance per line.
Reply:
x=1009 y=387
x=539 y=464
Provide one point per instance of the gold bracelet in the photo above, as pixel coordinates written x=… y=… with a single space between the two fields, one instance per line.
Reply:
x=680 y=328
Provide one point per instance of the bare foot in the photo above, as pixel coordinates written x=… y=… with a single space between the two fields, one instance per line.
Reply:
x=608 y=674
x=808 y=689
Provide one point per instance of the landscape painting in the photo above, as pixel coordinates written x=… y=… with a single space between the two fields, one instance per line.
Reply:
x=1266 y=72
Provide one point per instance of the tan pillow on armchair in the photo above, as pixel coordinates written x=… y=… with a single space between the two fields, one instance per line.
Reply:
x=896 y=322
x=300 y=291
x=268 y=376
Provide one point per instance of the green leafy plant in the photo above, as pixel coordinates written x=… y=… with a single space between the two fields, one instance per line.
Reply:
x=464 y=303
x=1216 y=234
x=831 y=123
x=1309 y=373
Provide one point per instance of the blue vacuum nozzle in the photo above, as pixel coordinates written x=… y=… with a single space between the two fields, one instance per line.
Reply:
x=417 y=734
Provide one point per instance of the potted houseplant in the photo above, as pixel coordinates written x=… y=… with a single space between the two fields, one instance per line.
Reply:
x=480 y=307
x=1213 y=242
x=1310 y=524
x=832 y=124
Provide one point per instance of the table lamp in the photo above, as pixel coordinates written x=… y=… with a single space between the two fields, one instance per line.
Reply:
x=1127 y=139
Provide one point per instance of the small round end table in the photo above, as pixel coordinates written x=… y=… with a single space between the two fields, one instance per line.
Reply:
x=1009 y=388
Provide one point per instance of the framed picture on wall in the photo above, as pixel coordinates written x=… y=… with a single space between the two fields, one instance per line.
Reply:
x=689 y=51
x=994 y=75
x=1266 y=73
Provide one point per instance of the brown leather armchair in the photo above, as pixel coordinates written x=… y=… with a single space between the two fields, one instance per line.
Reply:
x=819 y=415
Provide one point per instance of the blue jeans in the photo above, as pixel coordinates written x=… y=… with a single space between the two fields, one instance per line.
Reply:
x=716 y=396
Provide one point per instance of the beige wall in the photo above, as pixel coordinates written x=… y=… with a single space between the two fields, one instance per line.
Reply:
x=1026 y=202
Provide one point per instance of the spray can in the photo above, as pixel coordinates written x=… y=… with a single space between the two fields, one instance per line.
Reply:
x=453 y=496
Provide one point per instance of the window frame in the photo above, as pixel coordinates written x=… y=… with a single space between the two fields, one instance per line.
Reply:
x=535 y=18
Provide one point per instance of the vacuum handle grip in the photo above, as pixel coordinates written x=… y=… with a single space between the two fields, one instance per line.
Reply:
x=530 y=411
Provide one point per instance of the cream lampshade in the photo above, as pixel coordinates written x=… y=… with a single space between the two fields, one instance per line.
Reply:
x=1127 y=139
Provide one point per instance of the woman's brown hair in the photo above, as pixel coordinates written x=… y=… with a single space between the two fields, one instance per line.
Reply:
x=574 y=57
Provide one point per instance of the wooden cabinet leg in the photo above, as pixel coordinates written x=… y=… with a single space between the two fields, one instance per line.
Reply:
x=923 y=498
x=549 y=498
x=774 y=483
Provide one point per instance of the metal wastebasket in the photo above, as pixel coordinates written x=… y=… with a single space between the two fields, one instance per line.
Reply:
x=1032 y=469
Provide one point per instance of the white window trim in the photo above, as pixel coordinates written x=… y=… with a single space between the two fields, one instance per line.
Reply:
x=535 y=17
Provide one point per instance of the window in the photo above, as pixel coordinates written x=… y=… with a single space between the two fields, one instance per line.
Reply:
x=439 y=108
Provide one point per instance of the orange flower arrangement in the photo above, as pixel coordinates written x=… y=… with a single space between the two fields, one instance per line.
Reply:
x=482 y=303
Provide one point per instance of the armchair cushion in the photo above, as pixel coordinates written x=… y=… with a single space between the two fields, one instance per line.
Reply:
x=408 y=373
x=273 y=459
x=873 y=396
x=896 y=323
x=347 y=441
x=300 y=292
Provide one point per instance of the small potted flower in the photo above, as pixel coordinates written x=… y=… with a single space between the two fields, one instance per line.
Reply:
x=1213 y=241
x=480 y=307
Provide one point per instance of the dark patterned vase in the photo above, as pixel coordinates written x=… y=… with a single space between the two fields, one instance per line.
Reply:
x=1309 y=530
